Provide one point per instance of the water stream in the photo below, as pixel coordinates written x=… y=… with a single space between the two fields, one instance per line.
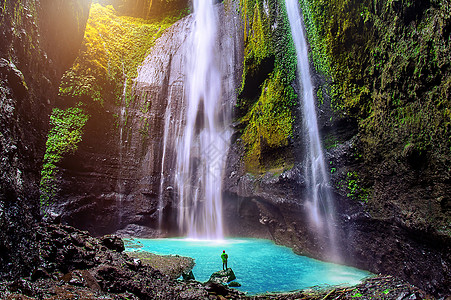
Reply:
x=120 y=180
x=320 y=201
x=202 y=148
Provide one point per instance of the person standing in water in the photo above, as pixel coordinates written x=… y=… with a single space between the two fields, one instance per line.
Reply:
x=224 y=258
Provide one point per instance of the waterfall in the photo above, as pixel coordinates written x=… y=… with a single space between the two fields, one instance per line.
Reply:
x=202 y=147
x=120 y=180
x=319 y=197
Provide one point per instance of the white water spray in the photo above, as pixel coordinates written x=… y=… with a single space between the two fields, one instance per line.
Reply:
x=320 y=201
x=202 y=148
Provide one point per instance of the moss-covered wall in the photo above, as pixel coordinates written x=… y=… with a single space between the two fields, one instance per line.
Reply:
x=388 y=67
x=113 y=48
x=388 y=64
x=266 y=100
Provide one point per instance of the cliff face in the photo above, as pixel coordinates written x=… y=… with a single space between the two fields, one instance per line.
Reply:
x=112 y=182
x=30 y=70
x=382 y=87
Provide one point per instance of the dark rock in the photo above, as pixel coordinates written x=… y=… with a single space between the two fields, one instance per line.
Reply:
x=23 y=286
x=88 y=280
x=234 y=284
x=188 y=276
x=29 y=82
x=52 y=217
x=216 y=288
x=113 y=242
x=73 y=278
x=15 y=77
x=223 y=276
x=172 y=265
x=106 y=272
x=39 y=273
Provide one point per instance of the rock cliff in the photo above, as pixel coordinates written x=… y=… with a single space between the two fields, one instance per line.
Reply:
x=31 y=65
x=382 y=85
x=389 y=168
x=112 y=182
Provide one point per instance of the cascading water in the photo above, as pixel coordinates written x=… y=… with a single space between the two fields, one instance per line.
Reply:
x=202 y=147
x=120 y=181
x=320 y=202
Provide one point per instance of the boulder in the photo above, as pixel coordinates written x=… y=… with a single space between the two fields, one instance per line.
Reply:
x=113 y=242
x=223 y=276
x=234 y=284
x=188 y=275
x=216 y=288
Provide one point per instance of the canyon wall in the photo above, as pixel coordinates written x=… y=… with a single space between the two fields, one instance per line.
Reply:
x=39 y=41
x=112 y=182
x=382 y=86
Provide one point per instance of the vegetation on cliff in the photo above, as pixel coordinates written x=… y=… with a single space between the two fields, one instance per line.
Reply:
x=29 y=77
x=65 y=134
x=113 y=48
x=388 y=67
x=266 y=97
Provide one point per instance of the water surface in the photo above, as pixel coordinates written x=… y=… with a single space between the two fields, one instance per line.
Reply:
x=259 y=265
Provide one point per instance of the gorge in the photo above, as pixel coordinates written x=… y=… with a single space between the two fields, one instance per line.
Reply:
x=127 y=131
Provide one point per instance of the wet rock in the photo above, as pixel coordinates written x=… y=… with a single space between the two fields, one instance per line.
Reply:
x=188 y=276
x=234 y=284
x=29 y=82
x=73 y=278
x=89 y=280
x=172 y=265
x=113 y=242
x=14 y=76
x=223 y=276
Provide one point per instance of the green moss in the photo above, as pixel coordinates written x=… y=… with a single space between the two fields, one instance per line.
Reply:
x=266 y=110
x=66 y=129
x=20 y=17
x=387 y=63
x=331 y=141
x=257 y=40
x=113 y=48
x=269 y=121
x=354 y=187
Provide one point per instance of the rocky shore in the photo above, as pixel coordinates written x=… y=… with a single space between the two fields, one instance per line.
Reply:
x=172 y=265
x=74 y=265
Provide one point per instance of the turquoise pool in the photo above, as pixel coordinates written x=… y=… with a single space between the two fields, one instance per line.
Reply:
x=259 y=265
